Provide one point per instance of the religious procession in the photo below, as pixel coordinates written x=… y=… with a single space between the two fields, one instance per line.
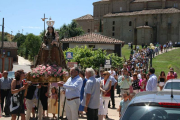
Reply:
x=54 y=91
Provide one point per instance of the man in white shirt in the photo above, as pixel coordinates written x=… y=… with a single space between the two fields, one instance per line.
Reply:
x=152 y=82
x=112 y=72
x=73 y=88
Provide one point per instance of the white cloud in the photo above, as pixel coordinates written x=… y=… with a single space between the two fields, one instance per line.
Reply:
x=31 y=27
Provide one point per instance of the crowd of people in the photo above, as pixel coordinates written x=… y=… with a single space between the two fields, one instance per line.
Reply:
x=90 y=91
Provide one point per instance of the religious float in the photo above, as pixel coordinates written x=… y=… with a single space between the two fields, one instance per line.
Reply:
x=50 y=64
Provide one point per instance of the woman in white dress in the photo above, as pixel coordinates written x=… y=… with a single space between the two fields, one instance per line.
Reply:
x=105 y=92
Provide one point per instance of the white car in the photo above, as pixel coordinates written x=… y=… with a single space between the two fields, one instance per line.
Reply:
x=173 y=84
x=162 y=105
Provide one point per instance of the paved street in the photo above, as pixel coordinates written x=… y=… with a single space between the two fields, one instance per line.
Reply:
x=22 y=64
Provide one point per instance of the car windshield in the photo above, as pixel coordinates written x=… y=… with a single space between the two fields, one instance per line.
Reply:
x=151 y=113
x=174 y=85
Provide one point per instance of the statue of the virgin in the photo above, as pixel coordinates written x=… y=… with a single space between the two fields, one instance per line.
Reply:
x=50 y=51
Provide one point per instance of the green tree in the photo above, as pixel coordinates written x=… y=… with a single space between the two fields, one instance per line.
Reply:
x=88 y=57
x=70 y=30
x=30 y=47
x=5 y=38
x=19 y=38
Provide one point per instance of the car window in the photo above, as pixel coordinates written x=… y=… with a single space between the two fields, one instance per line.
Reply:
x=151 y=113
x=174 y=85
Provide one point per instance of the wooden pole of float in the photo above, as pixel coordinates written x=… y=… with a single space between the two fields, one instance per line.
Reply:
x=58 y=103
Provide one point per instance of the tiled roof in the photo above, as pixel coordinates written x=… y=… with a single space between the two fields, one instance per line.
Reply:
x=145 y=12
x=145 y=0
x=85 y=17
x=8 y=44
x=92 y=38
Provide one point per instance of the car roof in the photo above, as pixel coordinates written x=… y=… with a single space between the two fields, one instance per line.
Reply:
x=173 y=80
x=156 y=97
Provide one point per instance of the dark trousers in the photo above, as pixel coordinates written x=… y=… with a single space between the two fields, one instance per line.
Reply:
x=4 y=94
x=112 y=97
x=92 y=114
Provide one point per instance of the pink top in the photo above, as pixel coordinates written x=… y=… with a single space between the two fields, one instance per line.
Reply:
x=131 y=88
x=142 y=86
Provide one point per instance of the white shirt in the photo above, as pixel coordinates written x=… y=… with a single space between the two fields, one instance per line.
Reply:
x=112 y=73
x=152 y=83
x=139 y=76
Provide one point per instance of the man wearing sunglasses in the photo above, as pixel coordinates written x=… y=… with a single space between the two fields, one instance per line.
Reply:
x=5 y=86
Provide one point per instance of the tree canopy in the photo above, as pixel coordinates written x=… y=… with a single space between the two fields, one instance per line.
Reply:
x=19 y=38
x=70 y=30
x=87 y=57
x=30 y=47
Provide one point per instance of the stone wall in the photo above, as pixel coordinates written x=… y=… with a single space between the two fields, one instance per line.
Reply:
x=86 y=25
x=165 y=27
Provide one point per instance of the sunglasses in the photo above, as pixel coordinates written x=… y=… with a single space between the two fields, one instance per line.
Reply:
x=104 y=74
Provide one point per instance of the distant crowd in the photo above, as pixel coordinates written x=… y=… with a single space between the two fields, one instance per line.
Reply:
x=89 y=92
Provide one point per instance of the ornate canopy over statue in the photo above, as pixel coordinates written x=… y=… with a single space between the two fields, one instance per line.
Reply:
x=50 y=51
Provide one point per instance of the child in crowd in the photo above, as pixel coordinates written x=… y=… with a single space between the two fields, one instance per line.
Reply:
x=52 y=102
x=123 y=104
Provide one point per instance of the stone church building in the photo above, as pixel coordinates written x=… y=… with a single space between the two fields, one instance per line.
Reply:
x=137 y=21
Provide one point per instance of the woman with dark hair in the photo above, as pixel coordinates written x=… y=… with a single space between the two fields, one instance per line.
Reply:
x=44 y=93
x=96 y=74
x=162 y=80
x=17 y=93
x=82 y=75
x=135 y=83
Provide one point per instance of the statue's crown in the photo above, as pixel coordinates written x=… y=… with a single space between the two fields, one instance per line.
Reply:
x=50 y=23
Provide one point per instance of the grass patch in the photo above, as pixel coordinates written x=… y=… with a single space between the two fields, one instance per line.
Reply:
x=166 y=60
x=125 y=51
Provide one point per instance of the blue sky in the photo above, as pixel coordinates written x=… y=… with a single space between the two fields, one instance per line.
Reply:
x=27 y=14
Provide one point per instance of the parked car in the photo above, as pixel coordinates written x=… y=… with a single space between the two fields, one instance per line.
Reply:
x=153 y=106
x=172 y=85
x=177 y=44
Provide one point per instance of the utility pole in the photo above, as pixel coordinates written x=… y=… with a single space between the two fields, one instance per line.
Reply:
x=11 y=35
x=2 y=37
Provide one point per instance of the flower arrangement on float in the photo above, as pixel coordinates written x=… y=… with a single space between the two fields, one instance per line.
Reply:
x=47 y=73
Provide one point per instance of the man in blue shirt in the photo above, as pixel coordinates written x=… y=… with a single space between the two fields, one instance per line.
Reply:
x=91 y=99
x=152 y=82
x=5 y=86
x=72 y=93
